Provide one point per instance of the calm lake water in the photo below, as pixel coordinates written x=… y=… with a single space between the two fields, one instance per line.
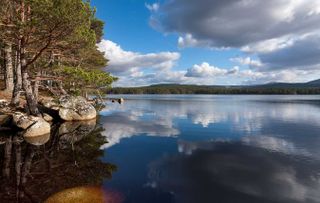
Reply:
x=179 y=149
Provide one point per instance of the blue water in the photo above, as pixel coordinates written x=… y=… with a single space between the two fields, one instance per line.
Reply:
x=204 y=149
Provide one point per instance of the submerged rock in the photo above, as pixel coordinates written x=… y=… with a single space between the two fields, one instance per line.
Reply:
x=86 y=194
x=71 y=132
x=76 y=109
x=37 y=140
x=33 y=126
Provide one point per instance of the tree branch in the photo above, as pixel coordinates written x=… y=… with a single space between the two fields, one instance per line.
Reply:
x=39 y=53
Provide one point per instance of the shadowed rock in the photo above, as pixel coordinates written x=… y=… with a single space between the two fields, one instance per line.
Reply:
x=72 y=132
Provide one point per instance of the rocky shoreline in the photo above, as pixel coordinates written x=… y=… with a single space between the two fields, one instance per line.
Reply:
x=66 y=108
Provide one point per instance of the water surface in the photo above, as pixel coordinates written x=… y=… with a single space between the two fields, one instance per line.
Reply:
x=191 y=149
x=175 y=149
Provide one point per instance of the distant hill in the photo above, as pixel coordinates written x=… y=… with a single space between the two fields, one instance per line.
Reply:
x=314 y=83
x=311 y=84
x=312 y=87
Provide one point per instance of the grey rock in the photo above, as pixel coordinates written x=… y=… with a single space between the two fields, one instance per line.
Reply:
x=33 y=126
x=23 y=121
x=76 y=109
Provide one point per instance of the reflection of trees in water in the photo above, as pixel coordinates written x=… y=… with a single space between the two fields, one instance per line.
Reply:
x=33 y=172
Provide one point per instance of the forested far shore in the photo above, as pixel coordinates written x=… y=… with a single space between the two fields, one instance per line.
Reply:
x=196 y=89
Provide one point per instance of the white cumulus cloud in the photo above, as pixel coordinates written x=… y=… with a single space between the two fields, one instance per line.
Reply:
x=281 y=34
x=122 y=61
x=137 y=69
x=205 y=70
x=247 y=61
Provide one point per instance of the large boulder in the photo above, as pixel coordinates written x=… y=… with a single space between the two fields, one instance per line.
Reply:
x=22 y=120
x=41 y=127
x=76 y=109
x=33 y=126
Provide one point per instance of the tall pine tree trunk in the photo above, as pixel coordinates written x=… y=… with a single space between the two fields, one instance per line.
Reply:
x=18 y=81
x=36 y=87
x=31 y=101
x=8 y=67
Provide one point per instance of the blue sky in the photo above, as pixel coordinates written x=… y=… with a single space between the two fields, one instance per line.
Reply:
x=209 y=41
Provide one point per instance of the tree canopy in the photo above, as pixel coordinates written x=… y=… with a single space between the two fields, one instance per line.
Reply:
x=51 y=39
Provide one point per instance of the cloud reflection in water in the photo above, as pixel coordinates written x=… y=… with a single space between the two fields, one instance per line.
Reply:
x=275 y=121
x=235 y=172
x=227 y=149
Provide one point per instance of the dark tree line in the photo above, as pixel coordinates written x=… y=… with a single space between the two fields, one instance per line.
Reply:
x=194 y=89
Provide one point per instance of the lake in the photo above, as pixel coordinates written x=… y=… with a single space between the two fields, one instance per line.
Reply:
x=176 y=149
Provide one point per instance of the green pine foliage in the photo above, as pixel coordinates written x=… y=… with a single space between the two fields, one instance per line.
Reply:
x=83 y=79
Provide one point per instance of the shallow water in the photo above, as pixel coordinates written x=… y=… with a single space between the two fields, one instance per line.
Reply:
x=181 y=149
